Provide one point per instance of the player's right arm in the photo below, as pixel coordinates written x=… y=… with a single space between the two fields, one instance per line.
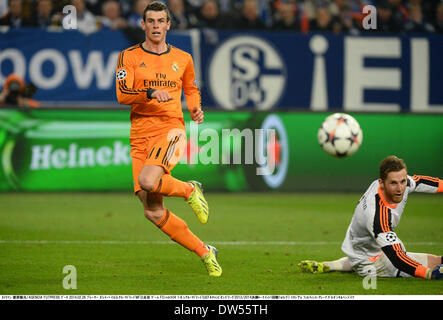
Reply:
x=125 y=78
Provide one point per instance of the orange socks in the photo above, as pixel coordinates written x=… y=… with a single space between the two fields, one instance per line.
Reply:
x=171 y=187
x=179 y=232
x=172 y=225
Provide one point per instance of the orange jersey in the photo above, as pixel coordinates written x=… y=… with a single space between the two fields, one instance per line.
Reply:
x=139 y=70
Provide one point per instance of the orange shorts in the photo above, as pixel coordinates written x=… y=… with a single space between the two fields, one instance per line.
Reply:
x=164 y=150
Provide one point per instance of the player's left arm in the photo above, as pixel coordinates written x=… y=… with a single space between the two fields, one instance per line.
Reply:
x=427 y=184
x=392 y=248
x=192 y=93
x=390 y=244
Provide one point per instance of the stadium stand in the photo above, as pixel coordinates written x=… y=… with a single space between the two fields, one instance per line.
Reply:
x=335 y=16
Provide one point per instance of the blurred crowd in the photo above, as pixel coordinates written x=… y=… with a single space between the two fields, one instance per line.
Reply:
x=336 y=16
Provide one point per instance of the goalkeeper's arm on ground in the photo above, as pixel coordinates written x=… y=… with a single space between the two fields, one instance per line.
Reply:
x=392 y=248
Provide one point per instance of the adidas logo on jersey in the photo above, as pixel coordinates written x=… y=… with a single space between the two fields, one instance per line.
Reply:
x=142 y=65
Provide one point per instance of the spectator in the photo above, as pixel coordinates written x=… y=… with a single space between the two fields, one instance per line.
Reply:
x=3 y=7
x=179 y=18
x=194 y=5
x=111 y=16
x=58 y=5
x=276 y=4
x=94 y=6
x=126 y=7
x=385 y=22
x=264 y=12
x=323 y=21
x=86 y=21
x=249 y=18
x=192 y=9
x=136 y=16
x=348 y=21
x=16 y=93
x=417 y=23
x=14 y=17
x=310 y=8
x=264 y=9
x=399 y=12
x=438 y=22
x=210 y=16
x=354 y=7
x=428 y=7
x=44 y=16
x=286 y=18
x=226 y=6
x=301 y=12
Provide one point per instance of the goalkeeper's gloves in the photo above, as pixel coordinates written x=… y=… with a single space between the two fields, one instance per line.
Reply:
x=435 y=274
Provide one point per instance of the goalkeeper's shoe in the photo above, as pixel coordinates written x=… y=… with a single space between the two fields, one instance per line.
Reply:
x=313 y=266
x=198 y=202
x=436 y=273
x=210 y=261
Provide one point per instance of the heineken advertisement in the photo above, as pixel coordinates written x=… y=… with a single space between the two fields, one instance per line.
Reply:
x=79 y=150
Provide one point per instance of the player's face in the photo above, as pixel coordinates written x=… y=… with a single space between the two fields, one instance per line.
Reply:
x=393 y=187
x=155 y=26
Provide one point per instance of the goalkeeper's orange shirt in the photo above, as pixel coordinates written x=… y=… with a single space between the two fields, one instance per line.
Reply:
x=139 y=70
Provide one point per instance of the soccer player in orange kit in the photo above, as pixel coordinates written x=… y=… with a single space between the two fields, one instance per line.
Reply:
x=150 y=77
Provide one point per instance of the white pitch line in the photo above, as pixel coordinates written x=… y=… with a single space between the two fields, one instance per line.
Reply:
x=227 y=243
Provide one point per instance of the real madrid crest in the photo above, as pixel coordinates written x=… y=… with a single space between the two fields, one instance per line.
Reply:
x=175 y=66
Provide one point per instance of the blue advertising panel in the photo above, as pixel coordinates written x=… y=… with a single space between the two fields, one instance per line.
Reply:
x=270 y=70
x=245 y=71
x=68 y=66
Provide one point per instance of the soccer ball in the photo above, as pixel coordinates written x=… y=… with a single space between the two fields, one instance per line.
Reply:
x=340 y=135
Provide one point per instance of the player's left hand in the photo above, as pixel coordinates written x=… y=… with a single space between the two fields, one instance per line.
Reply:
x=197 y=115
x=161 y=95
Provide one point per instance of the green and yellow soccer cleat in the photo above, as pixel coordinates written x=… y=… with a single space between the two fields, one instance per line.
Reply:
x=313 y=266
x=198 y=202
x=210 y=261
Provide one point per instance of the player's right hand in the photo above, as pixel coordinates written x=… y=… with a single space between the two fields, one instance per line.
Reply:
x=436 y=273
x=161 y=95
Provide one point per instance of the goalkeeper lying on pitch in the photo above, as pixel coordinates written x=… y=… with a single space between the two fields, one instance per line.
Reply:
x=370 y=239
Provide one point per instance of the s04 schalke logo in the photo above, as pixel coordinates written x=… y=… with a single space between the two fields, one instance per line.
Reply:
x=246 y=71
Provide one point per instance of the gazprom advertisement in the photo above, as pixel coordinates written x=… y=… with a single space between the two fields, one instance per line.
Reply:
x=245 y=71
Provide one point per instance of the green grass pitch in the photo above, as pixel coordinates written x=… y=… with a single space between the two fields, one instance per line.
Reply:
x=260 y=237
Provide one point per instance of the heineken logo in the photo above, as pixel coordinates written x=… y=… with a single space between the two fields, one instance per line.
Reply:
x=46 y=156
